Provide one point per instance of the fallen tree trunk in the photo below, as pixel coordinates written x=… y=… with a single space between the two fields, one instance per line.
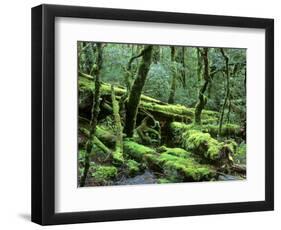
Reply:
x=95 y=140
x=104 y=135
x=157 y=108
x=192 y=139
x=238 y=168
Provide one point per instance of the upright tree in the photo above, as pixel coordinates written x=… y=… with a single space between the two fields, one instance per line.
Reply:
x=94 y=113
x=199 y=64
x=156 y=54
x=136 y=90
x=180 y=58
x=174 y=77
x=226 y=97
x=202 y=99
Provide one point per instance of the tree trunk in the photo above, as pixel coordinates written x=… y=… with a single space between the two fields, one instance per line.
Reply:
x=156 y=54
x=226 y=59
x=136 y=90
x=174 y=77
x=94 y=114
x=180 y=58
x=118 y=153
x=183 y=68
x=202 y=100
x=199 y=64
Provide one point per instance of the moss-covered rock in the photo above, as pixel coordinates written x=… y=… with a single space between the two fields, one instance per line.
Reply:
x=133 y=167
x=103 y=174
x=135 y=150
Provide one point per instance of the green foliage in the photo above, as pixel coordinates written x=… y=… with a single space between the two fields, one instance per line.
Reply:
x=81 y=156
x=157 y=83
x=240 y=156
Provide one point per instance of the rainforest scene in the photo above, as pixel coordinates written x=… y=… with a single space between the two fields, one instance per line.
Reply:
x=157 y=114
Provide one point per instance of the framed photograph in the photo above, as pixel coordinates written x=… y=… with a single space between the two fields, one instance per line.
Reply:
x=142 y=114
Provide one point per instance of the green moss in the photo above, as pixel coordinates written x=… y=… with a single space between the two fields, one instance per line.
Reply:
x=152 y=162
x=102 y=174
x=180 y=127
x=133 y=167
x=186 y=168
x=231 y=145
x=164 y=181
x=175 y=109
x=86 y=83
x=174 y=151
x=204 y=144
x=118 y=158
x=135 y=150
x=177 y=169
x=191 y=138
x=226 y=131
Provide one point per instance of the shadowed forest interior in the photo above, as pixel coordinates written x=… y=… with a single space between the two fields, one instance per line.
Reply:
x=154 y=114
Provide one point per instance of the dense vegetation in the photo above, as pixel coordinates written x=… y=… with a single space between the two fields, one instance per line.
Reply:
x=160 y=114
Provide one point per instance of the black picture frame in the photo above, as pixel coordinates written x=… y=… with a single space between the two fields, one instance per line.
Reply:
x=43 y=114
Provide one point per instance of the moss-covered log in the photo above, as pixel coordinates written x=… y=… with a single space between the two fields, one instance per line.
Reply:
x=157 y=108
x=105 y=135
x=193 y=139
x=179 y=165
x=96 y=141
x=227 y=130
x=136 y=151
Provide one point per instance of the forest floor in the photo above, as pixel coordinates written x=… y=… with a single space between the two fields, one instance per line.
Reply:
x=167 y=146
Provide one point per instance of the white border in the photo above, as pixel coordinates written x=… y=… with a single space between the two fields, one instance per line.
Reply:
x=69 y=198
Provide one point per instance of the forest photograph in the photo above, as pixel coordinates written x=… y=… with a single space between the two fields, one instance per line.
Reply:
x=158 y=114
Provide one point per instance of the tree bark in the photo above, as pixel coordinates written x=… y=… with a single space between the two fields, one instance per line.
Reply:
x=156 y=54
x=226 y=72
x=94 y=114
x=183 y=75
x=118 y=153
x=202 y=100
x=174 y=77
x=136 y=90
x=199 y=64
x=180 y=58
